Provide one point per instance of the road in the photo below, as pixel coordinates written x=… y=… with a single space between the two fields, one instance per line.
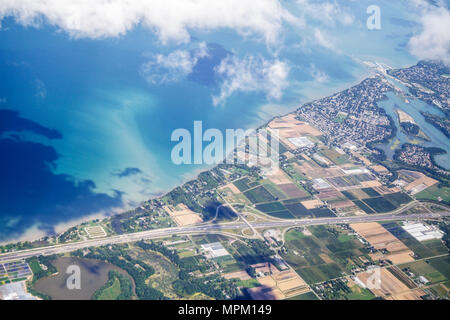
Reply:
x=208 y=228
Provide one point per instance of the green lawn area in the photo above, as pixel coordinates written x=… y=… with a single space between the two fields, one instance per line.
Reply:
x=344 y=237
x=293 y=234
x=35 y=267
x=360 y=294
x=334 y=156
x=442 y=264
x=259 y=195
x=421 y=268
x=306 y=296
x=274 y=190
x=111 y=292
x=433 y=193
x=250 y=283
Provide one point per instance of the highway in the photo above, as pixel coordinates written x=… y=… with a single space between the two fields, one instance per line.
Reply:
x=211 y=228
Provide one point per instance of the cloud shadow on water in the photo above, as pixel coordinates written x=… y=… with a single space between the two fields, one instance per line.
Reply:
x=30 y=193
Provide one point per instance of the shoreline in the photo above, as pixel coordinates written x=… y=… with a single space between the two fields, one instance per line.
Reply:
x=64 y=226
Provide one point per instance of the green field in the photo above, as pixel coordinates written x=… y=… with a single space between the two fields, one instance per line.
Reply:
x=242 y=184
x=442 y=264
x=284 y=214
x=435 y=269
x=274 y=190
x=399 y=198
x=320 y=273
x=328 y=253
x=111 y=292
x=334 y=156
x=360 y=294
x=380 y=204
x=259 y=195
x=363 y=206
x=250 y=283
x=293 y=234
x=371 y=192
x=434 y=193
x=298 y=210
x=270 y=207
x=349 y=195
x=306 y=296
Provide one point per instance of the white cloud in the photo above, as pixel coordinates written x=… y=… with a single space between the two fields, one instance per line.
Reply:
x=328 y=12
x=434 y=40
x=171 y=20
x=323 y=40
x=251 y=74
x=173 y=67
x=318 y=75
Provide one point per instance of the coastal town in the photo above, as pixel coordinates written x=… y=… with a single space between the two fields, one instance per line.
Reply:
x=318 y=226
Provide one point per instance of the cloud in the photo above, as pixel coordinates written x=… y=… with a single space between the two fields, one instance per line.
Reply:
x=251 y=74
x=327 y=12
x=323 y=40
x=171 y=20
x=318 y=75
x=174 y=67
x=433 y=42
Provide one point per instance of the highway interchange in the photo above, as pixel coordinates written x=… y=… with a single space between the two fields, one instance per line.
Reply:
x=211 y=228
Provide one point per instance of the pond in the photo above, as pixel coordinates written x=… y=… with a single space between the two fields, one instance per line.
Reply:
x=93 y=275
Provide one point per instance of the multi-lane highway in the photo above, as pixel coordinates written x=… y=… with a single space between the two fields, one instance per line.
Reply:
x=211 y=228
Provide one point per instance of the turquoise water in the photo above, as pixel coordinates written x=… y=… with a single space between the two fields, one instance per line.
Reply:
x=83 y=131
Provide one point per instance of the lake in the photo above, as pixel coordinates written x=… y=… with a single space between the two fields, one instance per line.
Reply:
x=94 y=275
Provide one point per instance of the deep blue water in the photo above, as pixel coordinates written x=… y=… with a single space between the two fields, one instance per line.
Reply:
x=83 y=132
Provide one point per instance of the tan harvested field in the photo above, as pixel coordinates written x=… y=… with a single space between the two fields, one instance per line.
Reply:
x=267 y=290
x=311 y=204
x=410 y=295
x=326 y=258
x=313 y=171
x=282 y=285
x=370 y=184
x=292 y=191
x=330 y=194
x=182 y=215
x=380 y=238
x=390 y=287
x=359 y=212
x=289 y=122
x=366 y=161
x=289 y=127
x=420 y=184
x=383 y=190
x=241 y=275
x=358 y=193
x=379 y=168
x=290 y=283
x=278 y=176
x=342 y=204
x=231 y=187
